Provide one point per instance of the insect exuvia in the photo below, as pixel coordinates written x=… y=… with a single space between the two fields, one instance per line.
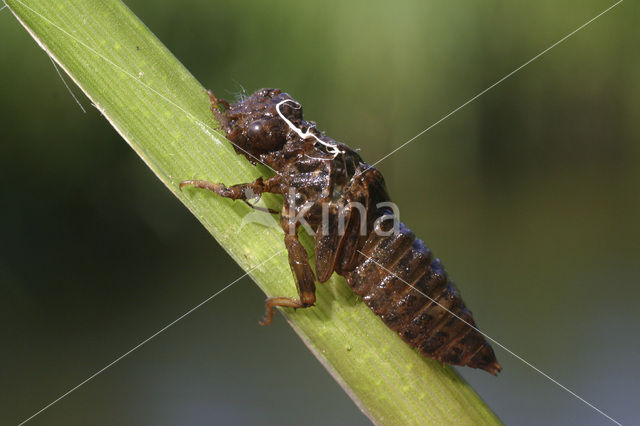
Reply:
x=326 y=185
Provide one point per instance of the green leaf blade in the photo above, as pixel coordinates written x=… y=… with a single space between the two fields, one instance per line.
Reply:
x=157 y=106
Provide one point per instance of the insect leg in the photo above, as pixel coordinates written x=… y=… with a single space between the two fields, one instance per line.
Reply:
x=215 y=108
x=302 y=273
x=328 y=241
x=243 y=191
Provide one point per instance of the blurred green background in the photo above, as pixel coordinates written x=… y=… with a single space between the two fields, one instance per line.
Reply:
x=530 y=195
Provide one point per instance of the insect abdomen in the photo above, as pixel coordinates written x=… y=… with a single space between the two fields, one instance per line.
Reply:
x=400 y=280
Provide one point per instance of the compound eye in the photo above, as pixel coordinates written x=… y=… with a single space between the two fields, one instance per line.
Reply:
x=265 y=135
x=256 y=130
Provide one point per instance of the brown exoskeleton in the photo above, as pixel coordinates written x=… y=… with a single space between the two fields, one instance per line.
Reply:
x=326 y=185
